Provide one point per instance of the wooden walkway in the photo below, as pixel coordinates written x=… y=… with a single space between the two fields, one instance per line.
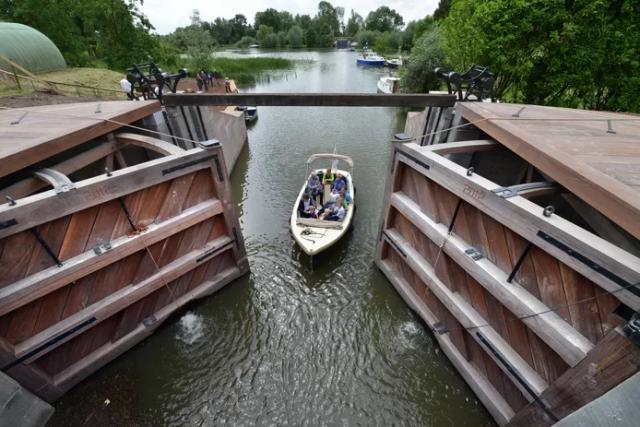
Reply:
x=576 y=148
x=29 y=135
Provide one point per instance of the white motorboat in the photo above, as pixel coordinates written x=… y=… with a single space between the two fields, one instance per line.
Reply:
x=394 y=63
x=315 y=235
x=389 y=84
x=250 y=113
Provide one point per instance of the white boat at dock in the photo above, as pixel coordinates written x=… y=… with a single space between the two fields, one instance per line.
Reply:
x=250 y=113
x=315 y=235
x=394 y=63
x=389 y=84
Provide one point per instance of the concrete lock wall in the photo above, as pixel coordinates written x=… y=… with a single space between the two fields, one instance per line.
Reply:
x=229 y=127
x=200 y=124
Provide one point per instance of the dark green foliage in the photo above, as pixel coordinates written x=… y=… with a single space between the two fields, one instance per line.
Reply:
x=112 y=31
x=245 y=42
x=354 y=24
x=417 y=73
x=384 y=19
x=582 y=53
x=295 y=37
x=442 y=11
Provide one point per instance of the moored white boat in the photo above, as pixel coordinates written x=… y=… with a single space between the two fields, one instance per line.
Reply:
x=389 y=84
x=316 y=235
x=250 y=113
x=394 y=63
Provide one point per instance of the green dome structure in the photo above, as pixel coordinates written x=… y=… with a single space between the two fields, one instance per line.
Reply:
x=28 y=48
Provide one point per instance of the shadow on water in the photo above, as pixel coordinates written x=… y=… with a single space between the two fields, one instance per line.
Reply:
x=286 y=344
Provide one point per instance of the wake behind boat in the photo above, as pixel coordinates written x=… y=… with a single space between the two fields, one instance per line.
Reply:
x=324 y=209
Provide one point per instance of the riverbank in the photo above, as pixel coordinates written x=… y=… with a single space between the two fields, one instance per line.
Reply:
x=89 y=83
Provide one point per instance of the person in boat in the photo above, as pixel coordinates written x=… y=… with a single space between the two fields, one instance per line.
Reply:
x=346 y=195
x=340 y=183
x=328 y=177
x=306 y=207
x=314 y=188
x=336 y=212
x=333 y=199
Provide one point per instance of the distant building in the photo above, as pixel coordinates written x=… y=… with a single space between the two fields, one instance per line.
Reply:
x=342 y=43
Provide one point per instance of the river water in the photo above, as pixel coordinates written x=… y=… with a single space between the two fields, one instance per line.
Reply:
x=287 y=344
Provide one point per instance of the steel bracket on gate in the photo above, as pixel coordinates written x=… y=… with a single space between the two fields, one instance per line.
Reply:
x=475 y=254
x=519 y=189
x=440 y=328
x=59 y=181
x=632 y=329
x=102 y=248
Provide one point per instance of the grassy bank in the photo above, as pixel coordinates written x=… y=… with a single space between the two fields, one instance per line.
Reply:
x=79 y=81
x=246 y=70
x=73 y=77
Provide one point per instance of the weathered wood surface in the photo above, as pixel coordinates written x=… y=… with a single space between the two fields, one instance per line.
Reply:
x=469 y=318
x=518 y=308
x=310 y=99
x=113 y=303
x=42 y=207
x=133 y=246
x=30 y=185
x=575 y=148
x=75 y=373
x=557 y=333
x=32 y=134
x=153 y=144
x=48 y=280
x=526 y=218
x=614 y=360
x=488 y=395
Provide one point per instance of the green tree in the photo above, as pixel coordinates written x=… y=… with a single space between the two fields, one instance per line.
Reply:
x=221 y=30
x=442 y=11
x=367 y=38
x=417 y=74
x=239 y=27
x=266 y=37
x=415 y=29
x=278 y=20
x=196 y=41
x=355 y=23
x=114 y=31
x=282 y=39
x=302 y=21
x=245 y=42
x=295 y=37
x=581 y=53
x=327 y=18
x=384 y=19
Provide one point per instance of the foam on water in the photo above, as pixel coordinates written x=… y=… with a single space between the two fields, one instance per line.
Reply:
x=191 y=328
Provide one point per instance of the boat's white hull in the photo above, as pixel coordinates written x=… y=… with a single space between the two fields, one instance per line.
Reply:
x=388 y=85
x=326 y=233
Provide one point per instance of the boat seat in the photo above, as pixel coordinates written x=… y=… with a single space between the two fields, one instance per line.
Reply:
x=327 y=191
